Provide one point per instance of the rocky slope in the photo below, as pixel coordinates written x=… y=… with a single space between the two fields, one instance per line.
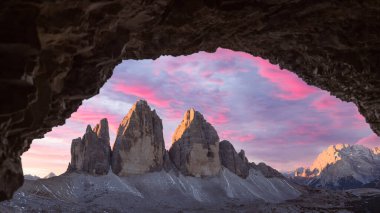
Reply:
x=92 y=153
x=55 y=54
x=139 y=145
x=342 y=166
x=195 y=148
x=150 y=192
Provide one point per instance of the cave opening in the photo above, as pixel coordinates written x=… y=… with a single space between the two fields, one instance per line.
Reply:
x=270 y=113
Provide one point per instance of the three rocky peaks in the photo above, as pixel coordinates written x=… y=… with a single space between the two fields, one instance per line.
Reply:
x=140 y=148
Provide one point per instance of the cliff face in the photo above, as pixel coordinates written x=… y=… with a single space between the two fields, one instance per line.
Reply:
x=139 y=146
x=92 y=153
x=236 y=163
x=195 y=148
x=55 y=54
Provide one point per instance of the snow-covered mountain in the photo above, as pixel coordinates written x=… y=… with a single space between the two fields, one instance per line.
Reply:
x=31 y=177
x=341 y=166
x=51 y=174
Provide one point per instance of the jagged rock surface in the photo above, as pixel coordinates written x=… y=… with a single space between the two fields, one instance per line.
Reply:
x=54 y=54
x=266 y=170
x=236 y=163
x=195 y=148
x=139 y=145
x=342 y=166
x=92 y=153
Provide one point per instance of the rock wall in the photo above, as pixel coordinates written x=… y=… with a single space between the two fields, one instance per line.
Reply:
x=195 y=148
x=92 y=153
x=54 y=54
x=236 y=163
x=139 y=145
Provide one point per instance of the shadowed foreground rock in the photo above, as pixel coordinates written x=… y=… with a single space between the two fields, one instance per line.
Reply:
x=54 y=54
x=139 y=145
x=266 y=170
x=236 y=163
x=195 y=148
x=92 y=153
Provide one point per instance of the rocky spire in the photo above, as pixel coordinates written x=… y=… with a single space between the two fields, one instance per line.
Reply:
x=92 y=152
x=102 y=130
x=195 y=148
x=236 y=163
x=139 y=145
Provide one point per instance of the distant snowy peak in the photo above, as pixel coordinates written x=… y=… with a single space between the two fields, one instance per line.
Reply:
x=51 y=174
x=335 y=153
x=31 y=177
x=343 y=166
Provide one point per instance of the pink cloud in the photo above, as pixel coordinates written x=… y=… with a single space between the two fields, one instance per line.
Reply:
x=216 y=116
x=92 y=116
x=311 y=130
x=370 y=141
x=143 y=92
x=245 y=138
x=325 y=102
x=64 y=131
x=236 y=136
x=292 y=87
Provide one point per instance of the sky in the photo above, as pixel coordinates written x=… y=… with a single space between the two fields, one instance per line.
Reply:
x=270 y=113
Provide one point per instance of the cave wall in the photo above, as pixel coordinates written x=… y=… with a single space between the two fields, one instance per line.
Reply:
x=54 y=54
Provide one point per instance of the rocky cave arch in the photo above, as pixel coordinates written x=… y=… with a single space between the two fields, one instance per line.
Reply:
x=56 y=53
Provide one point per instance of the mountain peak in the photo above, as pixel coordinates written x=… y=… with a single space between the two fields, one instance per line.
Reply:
x=137 y=109
x=343 y=165
x=88 y=129
x=102 y=129
x=195 y=148
x=51 y=174
x=139 y=146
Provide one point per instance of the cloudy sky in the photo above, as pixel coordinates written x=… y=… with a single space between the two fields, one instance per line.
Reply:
x=270 y=113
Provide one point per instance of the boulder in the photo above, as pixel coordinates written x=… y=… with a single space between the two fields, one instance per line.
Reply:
x=139 y=146
x=236 y=163
x=195 y=148
x=92 y=153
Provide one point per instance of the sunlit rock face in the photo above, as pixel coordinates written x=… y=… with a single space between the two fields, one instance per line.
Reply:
x=139 y=145
x=92 y=153
x=342 y=166
x=236 y=163
x=195 y=148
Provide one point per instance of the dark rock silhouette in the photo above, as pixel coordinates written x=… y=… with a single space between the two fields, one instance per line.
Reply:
x=236 y=163
x=266 y=170
x=92 y=153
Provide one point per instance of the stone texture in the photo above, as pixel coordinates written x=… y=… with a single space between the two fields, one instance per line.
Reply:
x=54 y=54
x=92 y=153
x=266 y=170
x=139 y=145
x=236 y=163
x=195 y=148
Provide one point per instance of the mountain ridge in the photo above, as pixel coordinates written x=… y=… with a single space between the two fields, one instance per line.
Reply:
x=341 y=166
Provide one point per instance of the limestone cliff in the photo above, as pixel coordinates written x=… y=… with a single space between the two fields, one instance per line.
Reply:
x=92 y=153
x=195 y=148
x=139 y=146
x=236 y=163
